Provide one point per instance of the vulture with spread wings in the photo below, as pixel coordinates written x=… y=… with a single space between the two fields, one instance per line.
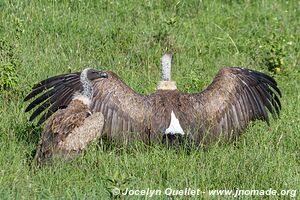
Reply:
x=234 y=98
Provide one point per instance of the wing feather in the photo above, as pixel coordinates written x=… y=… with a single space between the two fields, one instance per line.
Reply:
x=236 y=97
x=61 y=102
x=51 y=82
x=54 y=93
x=123 y=108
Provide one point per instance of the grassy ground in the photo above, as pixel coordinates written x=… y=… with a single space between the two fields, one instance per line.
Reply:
x=46 y=38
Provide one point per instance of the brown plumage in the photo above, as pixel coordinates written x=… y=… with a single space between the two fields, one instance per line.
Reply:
x=69 y=131
x=234 y=98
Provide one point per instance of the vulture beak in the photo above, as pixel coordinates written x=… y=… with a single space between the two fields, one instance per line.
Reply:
x=103 y=75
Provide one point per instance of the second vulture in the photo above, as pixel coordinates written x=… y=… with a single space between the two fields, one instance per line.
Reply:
x=224 y=109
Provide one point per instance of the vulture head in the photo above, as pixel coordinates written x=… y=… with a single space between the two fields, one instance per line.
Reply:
x=87 y=77
x=90 y=74
x=235 y=97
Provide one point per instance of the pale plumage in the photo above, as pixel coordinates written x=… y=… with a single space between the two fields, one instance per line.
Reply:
x=174 y=127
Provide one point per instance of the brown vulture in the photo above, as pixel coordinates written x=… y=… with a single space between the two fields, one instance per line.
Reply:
x=224 y=109
x=70 y=130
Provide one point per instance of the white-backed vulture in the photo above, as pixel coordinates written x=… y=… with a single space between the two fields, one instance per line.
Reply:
x=70 y=130
x=234 y=98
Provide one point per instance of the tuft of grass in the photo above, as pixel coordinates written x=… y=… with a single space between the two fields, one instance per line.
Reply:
x=8 y=65
x=129 y=37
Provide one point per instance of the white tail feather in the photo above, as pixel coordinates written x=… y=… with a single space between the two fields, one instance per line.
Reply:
x=174 y=127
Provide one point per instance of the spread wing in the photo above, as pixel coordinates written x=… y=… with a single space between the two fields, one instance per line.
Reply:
x=124 y=110
x=235 y=97
x=52 y=94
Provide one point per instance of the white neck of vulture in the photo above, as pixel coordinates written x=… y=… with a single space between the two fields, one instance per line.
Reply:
x=166 y=67
x=87 y=94
x=166 y=83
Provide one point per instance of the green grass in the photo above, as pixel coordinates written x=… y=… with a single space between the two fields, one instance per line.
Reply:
x=129 y=37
